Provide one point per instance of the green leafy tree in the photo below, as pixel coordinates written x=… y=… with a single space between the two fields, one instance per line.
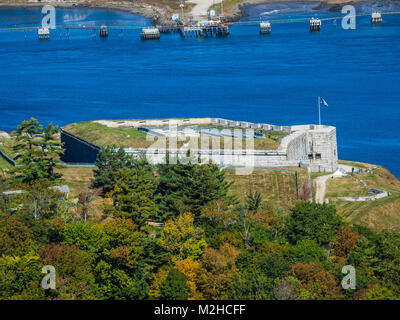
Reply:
x=380 y=293
x=108 y=163
x=306 y=251
x=40 y=200
x=189 y=187
x=84 y=235
x=119 y=273
x=315 y=282
x=15 y=237
x=134 y=195
x=175 y=287
x=253 y=201
x=37 y=152
x=313 y=221
x=18 y=273
x=182 y=239
x=75 y=278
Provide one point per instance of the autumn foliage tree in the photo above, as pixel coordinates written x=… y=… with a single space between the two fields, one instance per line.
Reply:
x=315 y=282
x=182 y=239
x=218 y=271
x=345 y=241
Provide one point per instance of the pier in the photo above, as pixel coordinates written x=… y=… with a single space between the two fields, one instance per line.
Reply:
x=43 y=34
x=103 y=31
x=150 y=34
x=200 y=29
x=315 y=25
x=265 y=28
x=376 y=18
x=205 y=31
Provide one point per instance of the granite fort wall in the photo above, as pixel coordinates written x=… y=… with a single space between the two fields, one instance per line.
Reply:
x=313 y=144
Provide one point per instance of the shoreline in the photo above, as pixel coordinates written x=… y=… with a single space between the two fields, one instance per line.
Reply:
x=159 y=14
x=154 y=13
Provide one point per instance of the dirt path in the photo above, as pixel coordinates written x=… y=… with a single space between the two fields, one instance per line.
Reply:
x=320 y=184
x=201 y=7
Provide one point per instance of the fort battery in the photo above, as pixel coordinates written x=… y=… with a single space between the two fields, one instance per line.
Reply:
x=313 y=146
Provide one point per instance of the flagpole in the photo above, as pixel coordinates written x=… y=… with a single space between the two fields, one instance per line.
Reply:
x=319 y=110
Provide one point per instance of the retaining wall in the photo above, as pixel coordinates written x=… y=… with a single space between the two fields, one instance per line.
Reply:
x=77 y=150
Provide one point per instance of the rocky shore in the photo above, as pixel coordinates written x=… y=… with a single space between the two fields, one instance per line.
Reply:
x=157 y=14
x=158 y=11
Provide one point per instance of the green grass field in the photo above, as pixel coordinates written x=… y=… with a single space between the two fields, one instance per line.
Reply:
x=276 y=187
x=131 y=137
x=381 y=214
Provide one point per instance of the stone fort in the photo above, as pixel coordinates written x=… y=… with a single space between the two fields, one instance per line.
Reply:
x=313 y=146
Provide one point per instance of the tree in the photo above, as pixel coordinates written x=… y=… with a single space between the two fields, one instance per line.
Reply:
x=40 y=200
x=218 y=271
x=15 y=237
x=344 y=242
x=315 y=282
x=157 y=280
x=306 y=251
x=108 y=163
x=84 y=235
x=285 y=289
x=380 y=293
x=134 y=195
x=85 y=199
x=313 y=221
x=217 y=212
x=192 y=271
x=122 y=243
x=18 y=273
x=75 y=279
x=244 y=218
x=182 y=239
x=253 y=201
x=37 y=152
x=189 y=187
x=175 y=287
x=268 y=217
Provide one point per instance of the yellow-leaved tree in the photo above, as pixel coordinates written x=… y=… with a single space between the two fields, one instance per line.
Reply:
x=182 y=239
x=191 y=269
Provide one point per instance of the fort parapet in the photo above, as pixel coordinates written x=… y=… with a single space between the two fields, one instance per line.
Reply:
x=306 y=145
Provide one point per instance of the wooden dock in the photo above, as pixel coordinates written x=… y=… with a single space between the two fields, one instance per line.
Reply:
x=103 y=31
x=43 y=34
x=150 y=34
x=265 y=28
x=376 y=18
x=219 y=30
x=315 y=24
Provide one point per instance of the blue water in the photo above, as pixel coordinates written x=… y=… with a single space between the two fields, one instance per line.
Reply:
x=273 y=79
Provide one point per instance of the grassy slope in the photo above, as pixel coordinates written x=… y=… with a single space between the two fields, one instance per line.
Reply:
x=278 y=187
x=130 y=137
x=6 y=148
x=381 y=214
x=4 y=164
x=77 y=178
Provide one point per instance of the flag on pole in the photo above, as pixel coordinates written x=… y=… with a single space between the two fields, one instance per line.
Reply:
x=323 y=102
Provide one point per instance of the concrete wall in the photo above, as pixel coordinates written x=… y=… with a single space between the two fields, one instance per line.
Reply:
x=78 y=150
